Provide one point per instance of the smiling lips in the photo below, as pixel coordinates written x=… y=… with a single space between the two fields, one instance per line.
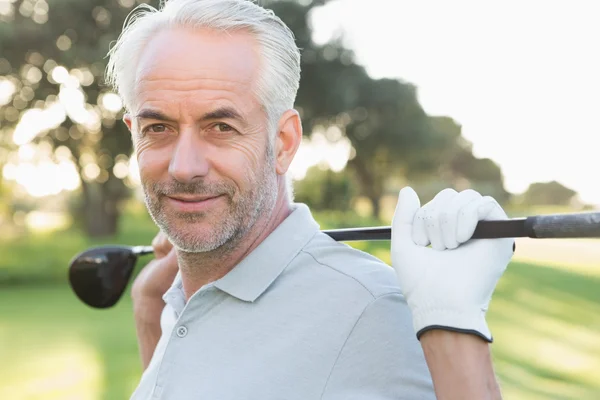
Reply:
x=191 y=203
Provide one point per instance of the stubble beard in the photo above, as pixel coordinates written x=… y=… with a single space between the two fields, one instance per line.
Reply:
x=229 y=226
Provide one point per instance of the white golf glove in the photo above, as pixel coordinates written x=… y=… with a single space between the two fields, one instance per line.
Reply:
x=448 y=286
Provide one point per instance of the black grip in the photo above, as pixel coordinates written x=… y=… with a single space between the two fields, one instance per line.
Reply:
x=510 y=228
x=578 y=225
x=485 y=230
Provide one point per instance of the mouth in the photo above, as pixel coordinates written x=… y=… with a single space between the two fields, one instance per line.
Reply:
x=193 y=203
x=192 y=199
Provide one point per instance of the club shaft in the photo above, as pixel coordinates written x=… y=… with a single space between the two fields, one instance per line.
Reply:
x=576 y=225
x=558 y=226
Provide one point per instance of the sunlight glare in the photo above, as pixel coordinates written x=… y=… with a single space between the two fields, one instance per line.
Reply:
x=112 y=102
x=73 y=100
x=318 y=150
x=44 y=222
x=39 y=180
x=134 y=171
x=91 y=171
x=59 y=74
x=33 y=74
x=83 y=75
x=7 y=89
x=9 y=172
x=69 y=176
x=32 y=168
x=6 y=8
x=35 y=120
x=121 y=169
x=27 y=152
x=63 y=153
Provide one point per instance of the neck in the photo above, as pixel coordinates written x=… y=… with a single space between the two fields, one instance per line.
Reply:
x=198 y=269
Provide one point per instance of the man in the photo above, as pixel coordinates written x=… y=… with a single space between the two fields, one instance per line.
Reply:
x=252 y=301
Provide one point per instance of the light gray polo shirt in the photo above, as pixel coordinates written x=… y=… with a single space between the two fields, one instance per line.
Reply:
x=302 y=317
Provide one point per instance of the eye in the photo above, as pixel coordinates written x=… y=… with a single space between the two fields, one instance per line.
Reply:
x=155 y=128
x=221 y=127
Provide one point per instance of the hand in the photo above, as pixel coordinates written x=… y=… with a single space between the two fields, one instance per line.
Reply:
x=156 y=277
x=448 y=286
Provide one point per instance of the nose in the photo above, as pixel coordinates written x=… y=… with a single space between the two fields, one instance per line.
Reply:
x=189 y=159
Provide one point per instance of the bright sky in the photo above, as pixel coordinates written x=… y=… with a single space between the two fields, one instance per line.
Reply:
x=522 y=77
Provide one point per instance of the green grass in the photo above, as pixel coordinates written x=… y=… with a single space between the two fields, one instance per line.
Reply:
x=54 y=347
x=546 y=325
x=545 y=320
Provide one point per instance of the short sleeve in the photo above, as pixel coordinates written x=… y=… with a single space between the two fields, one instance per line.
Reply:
x=382 y=358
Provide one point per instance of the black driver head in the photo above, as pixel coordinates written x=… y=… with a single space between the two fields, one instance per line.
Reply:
x=99 y=276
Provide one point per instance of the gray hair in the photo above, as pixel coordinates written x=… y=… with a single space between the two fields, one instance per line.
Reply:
x=280 y=67
x=279 y=76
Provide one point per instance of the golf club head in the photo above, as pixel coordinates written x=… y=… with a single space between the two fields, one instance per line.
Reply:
x=99 y=275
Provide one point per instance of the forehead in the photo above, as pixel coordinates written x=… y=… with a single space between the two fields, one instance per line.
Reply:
x=198 y=63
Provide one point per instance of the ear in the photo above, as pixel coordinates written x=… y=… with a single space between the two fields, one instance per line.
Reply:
x=287 y=140
x=128 y=121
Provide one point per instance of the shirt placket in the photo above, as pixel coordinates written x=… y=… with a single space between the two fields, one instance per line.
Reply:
x=183 y=332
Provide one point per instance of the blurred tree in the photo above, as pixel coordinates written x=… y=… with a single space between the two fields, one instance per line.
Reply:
x=54 y=55
x=393 y=136
x=388 y=129
x=460 y=168
x=548 y=193
x=324 y=189
x=390 y=132
x=456 y=166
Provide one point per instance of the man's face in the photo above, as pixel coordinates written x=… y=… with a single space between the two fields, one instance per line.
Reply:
x=206 y=163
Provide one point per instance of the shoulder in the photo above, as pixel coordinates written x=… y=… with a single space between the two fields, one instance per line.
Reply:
x=380 y=356
x=349 y=266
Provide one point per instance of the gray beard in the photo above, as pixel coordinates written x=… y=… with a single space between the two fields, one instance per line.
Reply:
x=234 y=223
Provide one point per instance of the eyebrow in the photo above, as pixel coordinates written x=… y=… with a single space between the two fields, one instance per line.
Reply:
x=152 y=114
x=219 y=113
x=222 y=113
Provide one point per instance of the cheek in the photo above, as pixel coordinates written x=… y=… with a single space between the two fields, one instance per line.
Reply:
x=152 y=163
x=242 y=162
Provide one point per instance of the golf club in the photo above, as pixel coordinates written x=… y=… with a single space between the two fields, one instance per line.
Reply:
x=99 y=275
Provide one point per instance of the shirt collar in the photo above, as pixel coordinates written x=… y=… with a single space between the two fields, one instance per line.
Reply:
x=255 y=273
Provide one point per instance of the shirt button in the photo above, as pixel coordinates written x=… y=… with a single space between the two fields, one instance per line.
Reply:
x=181 y=331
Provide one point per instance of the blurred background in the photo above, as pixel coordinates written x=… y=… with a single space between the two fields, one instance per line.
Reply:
x=500 y=97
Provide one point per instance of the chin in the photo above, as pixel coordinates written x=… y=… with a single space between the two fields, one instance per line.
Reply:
x=197 y=237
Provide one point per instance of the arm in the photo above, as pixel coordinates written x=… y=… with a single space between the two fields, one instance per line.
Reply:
x=146 y=312
x=147 y=291
x=460 y=365
x=448 y=280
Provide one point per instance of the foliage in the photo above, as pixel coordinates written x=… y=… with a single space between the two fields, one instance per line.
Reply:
x=54 y=53
x=548 y=193
x=323 y=189
x=54 y=49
